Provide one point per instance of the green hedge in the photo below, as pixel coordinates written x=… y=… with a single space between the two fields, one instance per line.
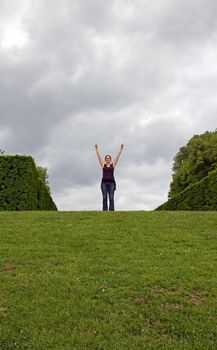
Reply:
x=199 y=196
x=20 y=186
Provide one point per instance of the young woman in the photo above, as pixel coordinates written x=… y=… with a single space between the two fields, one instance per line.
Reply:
x=108 y=184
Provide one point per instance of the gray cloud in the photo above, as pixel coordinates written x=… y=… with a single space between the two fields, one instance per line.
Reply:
x=78 y=73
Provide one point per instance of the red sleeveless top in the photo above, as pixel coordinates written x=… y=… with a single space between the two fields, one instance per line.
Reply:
x=108 y=173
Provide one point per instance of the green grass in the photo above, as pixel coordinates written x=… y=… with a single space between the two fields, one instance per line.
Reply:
x=108 y=280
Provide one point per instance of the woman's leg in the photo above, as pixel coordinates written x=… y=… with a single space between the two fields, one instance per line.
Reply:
x=111 y=196
x=104 y=196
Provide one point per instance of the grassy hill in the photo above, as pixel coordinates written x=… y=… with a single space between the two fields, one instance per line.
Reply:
x=108 y=280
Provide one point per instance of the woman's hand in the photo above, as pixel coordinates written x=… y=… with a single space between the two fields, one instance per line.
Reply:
x=99 y=156
x=118 y=155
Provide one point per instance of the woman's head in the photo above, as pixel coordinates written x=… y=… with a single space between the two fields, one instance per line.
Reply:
x=108 y=159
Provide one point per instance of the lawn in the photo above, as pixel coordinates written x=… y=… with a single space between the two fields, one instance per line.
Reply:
x=108 y=280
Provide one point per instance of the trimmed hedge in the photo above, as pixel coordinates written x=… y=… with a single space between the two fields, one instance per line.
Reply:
x=199 y=196
x=20 y=186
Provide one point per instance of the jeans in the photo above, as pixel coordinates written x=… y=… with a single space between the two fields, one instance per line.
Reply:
x=108 y=188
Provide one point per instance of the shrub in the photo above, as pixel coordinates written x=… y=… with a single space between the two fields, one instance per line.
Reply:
x=20 y=186
x=199 y=196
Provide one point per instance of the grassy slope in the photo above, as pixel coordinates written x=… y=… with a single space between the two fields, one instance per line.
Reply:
x=108 y=280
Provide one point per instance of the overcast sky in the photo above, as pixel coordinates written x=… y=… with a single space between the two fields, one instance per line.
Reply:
x=76 y=73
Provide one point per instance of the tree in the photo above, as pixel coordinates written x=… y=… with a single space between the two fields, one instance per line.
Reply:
x=194 y=161
x=43 y=175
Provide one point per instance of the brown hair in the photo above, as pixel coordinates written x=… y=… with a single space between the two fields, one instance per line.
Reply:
x=108 y=155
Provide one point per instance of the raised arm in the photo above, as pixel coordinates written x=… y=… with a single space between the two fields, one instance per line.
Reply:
x=118 y=155
x=99 y=156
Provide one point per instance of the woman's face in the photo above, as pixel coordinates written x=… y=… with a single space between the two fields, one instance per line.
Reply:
x=108 y=160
